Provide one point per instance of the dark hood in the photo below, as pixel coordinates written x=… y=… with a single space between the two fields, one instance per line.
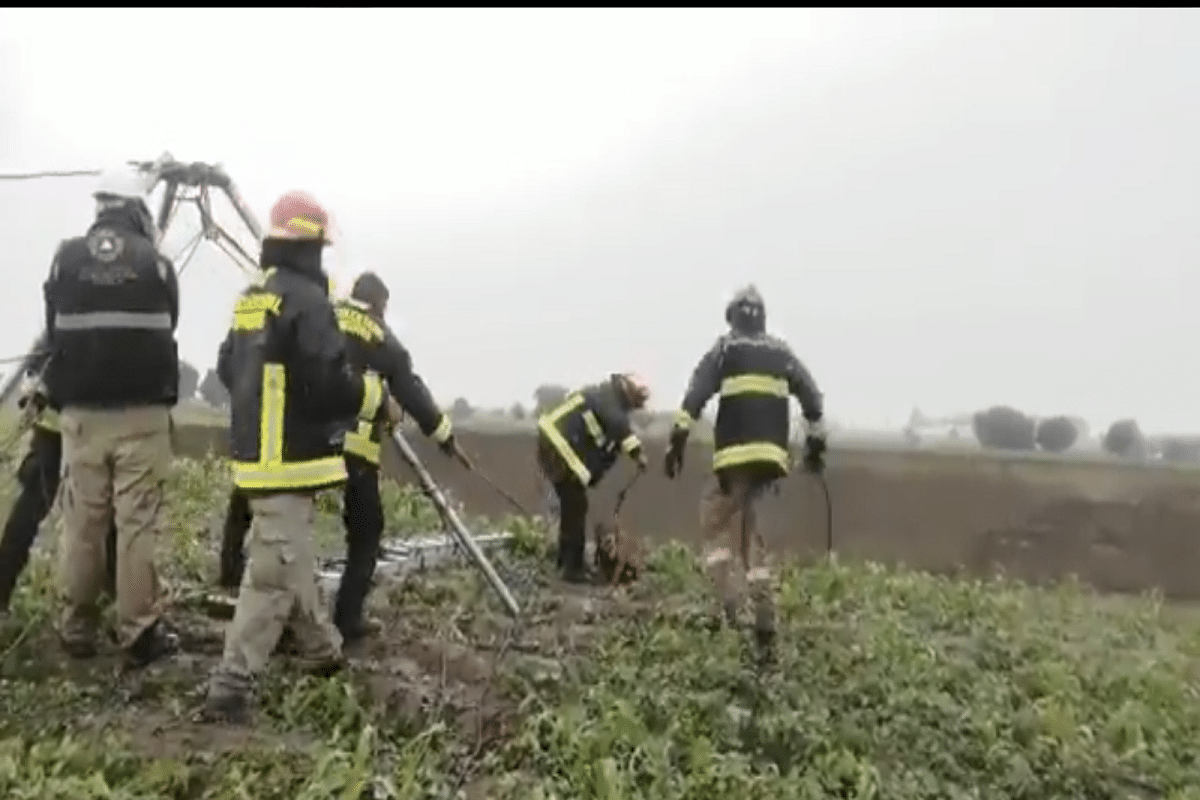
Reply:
x=301 y=257
x=126 y=219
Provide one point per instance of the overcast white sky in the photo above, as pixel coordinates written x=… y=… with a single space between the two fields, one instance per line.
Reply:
x=944 y=208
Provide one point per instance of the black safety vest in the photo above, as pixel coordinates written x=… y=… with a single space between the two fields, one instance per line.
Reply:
x=753 y=425
x=112 y=341
x=576 y=431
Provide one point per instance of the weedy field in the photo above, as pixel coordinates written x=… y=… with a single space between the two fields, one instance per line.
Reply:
x=889 y=685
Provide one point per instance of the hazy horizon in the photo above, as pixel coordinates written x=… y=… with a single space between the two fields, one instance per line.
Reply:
x=946 y=209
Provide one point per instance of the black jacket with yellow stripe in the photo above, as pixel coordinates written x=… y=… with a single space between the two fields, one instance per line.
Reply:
x=755 y=375
x=372 y=347
x=289 y=379
x=589 y=429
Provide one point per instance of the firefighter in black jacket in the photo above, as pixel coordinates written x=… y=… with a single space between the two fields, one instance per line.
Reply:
x=755 y=374
x=291 y=384
x=371 y=346
x=38 y=476
x=112 y=307
x=578 y=442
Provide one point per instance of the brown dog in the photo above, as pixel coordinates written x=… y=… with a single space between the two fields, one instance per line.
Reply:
x=619 y=556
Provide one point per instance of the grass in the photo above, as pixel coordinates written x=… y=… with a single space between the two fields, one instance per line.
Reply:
x=889 y=685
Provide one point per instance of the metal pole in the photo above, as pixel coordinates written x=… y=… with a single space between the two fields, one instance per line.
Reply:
x=456 y=525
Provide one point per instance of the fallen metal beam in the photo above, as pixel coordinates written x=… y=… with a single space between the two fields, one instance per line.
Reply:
x=454 y=523
x=400 y=557
x=397 y=559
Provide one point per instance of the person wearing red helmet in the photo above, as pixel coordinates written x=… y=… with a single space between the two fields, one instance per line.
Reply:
x=291 y=388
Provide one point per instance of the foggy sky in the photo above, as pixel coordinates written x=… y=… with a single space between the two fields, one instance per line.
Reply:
x=949 y=209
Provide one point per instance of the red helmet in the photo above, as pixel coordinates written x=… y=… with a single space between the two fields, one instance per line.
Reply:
x=298 y=215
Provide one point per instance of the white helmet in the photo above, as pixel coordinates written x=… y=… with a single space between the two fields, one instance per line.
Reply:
x=124 y=185
x=126 y=182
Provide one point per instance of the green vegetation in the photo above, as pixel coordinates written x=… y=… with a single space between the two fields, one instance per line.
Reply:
x=889 y=685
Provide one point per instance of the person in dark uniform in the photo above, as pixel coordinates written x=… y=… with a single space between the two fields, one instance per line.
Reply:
x=372 y=347
x=755 y=375
x=112 y=306
x=578 y=442
x=38 y=477
x=291 y=386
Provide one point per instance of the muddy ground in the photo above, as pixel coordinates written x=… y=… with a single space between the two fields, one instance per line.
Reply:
x=1120 y=527
x=446 y=653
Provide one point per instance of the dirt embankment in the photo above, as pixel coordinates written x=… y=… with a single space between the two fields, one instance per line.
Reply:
x=1119 y=527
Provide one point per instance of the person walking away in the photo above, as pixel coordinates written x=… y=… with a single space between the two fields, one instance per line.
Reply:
x=755 y=374
x=112 y=307
x=578 y=443
x=372 y=347
x=291 y=385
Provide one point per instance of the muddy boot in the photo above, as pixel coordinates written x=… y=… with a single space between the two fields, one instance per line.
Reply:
x=764 y=643
x=324 y=667
x=154 y=644
x=79 y=641
x=229 y=700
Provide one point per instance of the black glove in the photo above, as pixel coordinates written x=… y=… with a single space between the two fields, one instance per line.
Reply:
x=814 y=454
x=673 y=463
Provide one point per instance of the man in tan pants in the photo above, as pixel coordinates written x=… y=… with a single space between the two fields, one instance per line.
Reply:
x=115 y=463
x=285 y=363
x=112 y=306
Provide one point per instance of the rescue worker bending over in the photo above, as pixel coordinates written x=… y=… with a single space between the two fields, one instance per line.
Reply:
x=38 y=477
x=755 y=373
x=372 y=347
x=290 y=386
x=112 y=306
x=578 y=442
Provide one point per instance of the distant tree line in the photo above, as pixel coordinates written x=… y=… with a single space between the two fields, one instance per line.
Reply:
x=1006 y=428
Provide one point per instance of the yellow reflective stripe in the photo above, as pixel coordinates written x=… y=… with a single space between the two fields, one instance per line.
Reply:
x=360 y=443
x=630 y=443
x=305 y=224
x=442 y=432
x=298 y=475
x=753 y=452
x=754 y=384
x=270 y=432
x=565 y=450
x=683 y=420
x=48 y=420
x=270 y=472
x=372 y=396
x=594 y=428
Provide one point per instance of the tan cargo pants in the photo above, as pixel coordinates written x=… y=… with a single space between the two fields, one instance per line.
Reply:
x=279 y=588
x=115 y=464
x=729 y=525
